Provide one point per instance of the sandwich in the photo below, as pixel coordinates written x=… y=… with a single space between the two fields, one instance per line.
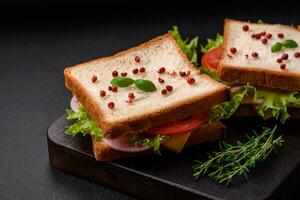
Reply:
x=142 y=100
x=261 y=64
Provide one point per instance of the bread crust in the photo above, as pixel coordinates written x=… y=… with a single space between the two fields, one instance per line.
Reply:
x=206 y=133
x=144 y=122
x=262 y=77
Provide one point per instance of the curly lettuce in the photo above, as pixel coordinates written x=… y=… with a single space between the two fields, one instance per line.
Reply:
x=82 y=124
x=259 y=21
x=188 y=47
x=277 y=102
x=143 y=140
x=226 y=109
x=212 y=43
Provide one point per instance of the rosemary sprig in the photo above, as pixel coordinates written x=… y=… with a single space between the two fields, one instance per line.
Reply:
x=237 y=159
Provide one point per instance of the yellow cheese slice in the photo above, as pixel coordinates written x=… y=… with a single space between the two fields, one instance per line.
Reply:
x=177 y=142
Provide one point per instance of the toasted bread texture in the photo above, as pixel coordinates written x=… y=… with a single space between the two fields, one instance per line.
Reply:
x=206 y=133
x=148 y=108
x=263 y=70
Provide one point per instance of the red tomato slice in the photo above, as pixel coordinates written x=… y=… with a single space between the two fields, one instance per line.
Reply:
x=179 y=127
x=212 y=58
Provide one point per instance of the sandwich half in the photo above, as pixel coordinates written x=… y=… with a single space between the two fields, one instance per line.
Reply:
x=255 y=59
x=261 y=63
x=146 y=96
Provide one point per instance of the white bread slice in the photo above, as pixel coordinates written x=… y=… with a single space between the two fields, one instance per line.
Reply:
x=264 y=70
x=206 y=133
x=148 y=109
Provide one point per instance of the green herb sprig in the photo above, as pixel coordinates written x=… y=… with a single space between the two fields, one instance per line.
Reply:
x=142 y=84
x=286 y=43
x=238 y=159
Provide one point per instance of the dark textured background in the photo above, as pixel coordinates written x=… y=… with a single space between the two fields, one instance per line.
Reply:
x=38 y=40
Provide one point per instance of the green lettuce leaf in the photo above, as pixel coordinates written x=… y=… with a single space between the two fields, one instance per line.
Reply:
x=212 y=43
x=188 y=47
x=143 y=140
x=211 y=74
x=274 y=101
x=227 y=109
x=259 y=21
x=82 y=124
x=277 y=102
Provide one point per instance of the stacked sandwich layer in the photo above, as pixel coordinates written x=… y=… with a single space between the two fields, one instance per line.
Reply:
x=261 y=54
x=261 y=62
x=151 y=92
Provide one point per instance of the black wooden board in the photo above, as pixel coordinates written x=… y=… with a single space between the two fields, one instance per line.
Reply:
x=170 y=176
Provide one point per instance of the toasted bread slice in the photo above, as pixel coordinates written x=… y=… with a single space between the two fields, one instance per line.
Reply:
x=206 y=133
x=148 y=109
x=263 y=70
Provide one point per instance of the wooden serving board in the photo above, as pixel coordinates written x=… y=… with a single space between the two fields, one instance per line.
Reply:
x=170 y=176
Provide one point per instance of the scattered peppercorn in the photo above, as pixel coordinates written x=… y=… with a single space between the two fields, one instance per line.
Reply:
x=173 y=73
x=137 y=59
x=254 y=55
x=114 y=89
x=282 y=66
x=124 y=74
x=161 y=80
x=269 y=36
x=297 y=55
x=129 y=101
x=264 y=40
x=131 y=95
x=102 y=93
x=190 y=80
x=280 y=35
x=169 y=88
x=233 y=50
x=110 y=88
x=135 y=71
x=94 y=79
x=115 y=73
x=161 y=70
x=245 y=28
x=263 y=33
x=279 y=60
x=285 y=56
x=142 y=69
x=258 y=36
x=164 y=91
x=182 y=74
x=111 y=105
